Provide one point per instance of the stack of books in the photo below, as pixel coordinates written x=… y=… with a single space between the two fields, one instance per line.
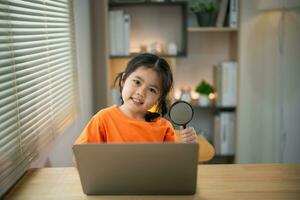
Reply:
x=228 y=9
x=226 y=84
x=119 y=32
x=224 y=124
x=224 y=133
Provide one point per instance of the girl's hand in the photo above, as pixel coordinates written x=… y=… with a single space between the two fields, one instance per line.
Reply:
x=189 y=135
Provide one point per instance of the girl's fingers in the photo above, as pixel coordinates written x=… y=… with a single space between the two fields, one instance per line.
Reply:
x=190 y=137
x=187 y=130
x=194 y=140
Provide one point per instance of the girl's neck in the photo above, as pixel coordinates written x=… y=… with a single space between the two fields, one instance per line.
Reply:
x=137 y=116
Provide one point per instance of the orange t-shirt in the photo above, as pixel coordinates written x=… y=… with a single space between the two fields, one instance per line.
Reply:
x=111 y=125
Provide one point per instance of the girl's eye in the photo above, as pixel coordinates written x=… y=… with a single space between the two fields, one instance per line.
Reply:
x=136 y=82
x=153 y=90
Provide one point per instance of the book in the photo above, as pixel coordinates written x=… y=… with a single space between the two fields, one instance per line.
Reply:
x=126 y=34
x=119 y=34
x=217 y=83
x=233 y=13
x=222 y=13
x=216 y=134
x=227 y=133
x=224 y=133
x=111 y=33
x=226 y=84
x=116 y=28
x=119 y=26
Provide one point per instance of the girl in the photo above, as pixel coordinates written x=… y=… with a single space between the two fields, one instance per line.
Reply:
x=145 y=83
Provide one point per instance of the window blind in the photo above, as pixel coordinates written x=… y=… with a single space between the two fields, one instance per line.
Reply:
x=38 y=84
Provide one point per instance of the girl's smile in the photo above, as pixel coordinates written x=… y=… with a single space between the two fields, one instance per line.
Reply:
x=137 y=101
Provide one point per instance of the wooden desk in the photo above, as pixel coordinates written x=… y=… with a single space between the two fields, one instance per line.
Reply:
x=237 y=181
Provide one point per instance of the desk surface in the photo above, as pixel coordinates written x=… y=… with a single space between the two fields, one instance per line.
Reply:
x=237 y=181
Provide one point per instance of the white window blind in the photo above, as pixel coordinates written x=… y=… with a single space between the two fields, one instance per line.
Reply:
x=38 y=84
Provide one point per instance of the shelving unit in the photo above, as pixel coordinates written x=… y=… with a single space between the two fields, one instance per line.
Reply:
x=207 y=47
x=201 y=49
x=211 y=29
x=156 y=22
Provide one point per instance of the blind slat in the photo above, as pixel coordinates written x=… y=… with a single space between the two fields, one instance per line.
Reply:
x=9 y=136
x=42 y=126
x=32 y=99
x=7 y=108
x=34 y=7
x=35 y=56
x=35 y=115
x=36 y=37
x=11 y=98
x=31 y=31
x=42 y=61
x=6 y=63
x=8 y=123
x=7 y=182
x=31 y=18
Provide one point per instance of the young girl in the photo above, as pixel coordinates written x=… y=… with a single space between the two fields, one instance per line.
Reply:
x=145 y=83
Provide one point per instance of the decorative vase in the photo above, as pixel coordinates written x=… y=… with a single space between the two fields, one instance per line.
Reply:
x=203 y=100
x=204 y=19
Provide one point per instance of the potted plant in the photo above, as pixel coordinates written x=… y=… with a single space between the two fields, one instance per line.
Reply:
x=204 y=89
x=205 y=11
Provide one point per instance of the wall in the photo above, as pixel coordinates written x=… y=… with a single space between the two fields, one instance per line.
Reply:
x=267 y=125
x=100 y=46
x=59 y=153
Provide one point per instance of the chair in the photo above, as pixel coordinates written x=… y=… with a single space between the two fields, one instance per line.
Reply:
x=206 y=150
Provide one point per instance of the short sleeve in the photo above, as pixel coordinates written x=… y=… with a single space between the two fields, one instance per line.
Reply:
x=170 y=134
x=92 y=133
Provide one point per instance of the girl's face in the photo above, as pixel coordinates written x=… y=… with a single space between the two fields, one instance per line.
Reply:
x=141 y=90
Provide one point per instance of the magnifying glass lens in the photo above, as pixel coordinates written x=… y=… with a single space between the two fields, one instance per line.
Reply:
x=181 y=113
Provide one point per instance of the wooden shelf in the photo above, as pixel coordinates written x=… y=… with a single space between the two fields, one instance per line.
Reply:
x=216 y=108
x=161 y=55
x=211 y=29
x=221 y=159
x=145 y=3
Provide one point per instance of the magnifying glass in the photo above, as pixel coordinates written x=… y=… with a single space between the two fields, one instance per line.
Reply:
x=181 y=113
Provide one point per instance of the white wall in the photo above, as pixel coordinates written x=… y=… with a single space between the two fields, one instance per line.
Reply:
x=59 y=154
x=100 y=46
x=268 y=86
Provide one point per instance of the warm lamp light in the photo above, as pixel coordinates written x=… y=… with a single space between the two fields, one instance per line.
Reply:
x=211 y=96
x=177 y=94
x=195 y=95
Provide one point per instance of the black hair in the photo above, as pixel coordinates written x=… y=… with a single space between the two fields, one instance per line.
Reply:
x=160 y=66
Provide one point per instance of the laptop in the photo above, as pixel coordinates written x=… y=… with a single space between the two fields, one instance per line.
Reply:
x=137 y=168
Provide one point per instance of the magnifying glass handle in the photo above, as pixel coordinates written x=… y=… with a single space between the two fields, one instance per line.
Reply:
x=184 y=126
